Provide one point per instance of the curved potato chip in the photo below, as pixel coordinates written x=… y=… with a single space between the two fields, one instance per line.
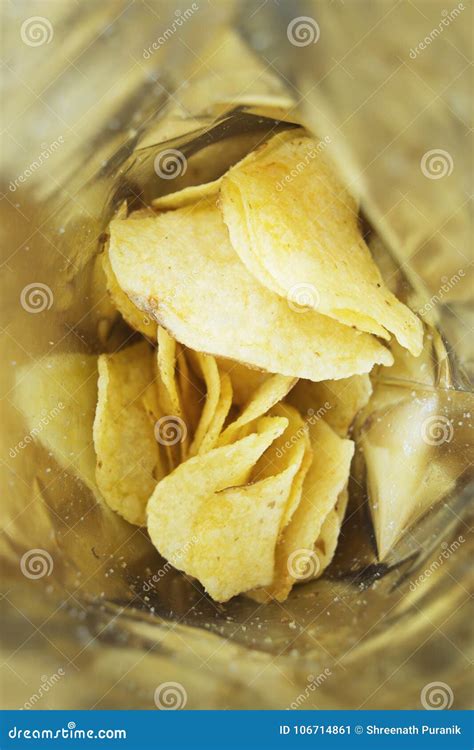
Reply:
x=128 y=455
x=337 y=401
x=211 y=437
x=327 y=476
x=192 y=393
x=58 y=397
x=295 y=226
x=178 y=501
x=291 y=449
x=326 y=543
x=187 y=195
x=166 y=359
x=236 y=535
x=245 y=380
x=180 y=267
x=270 y=392
x=205 y=365
x=136 y=318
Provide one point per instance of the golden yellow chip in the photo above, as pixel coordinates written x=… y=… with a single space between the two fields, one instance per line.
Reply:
x=291 y=450
x=336 y=401
x=206 y=367
x=186 y=196
x=326 y=543
x=128 y=456
x=270 y=392
x=295 y=226
x=180 y=267
x=245 y=380
x=211 y=437
x=58 y=396
x=190 y=497
x=236 y=534
x=132 y=315
x=296 y=559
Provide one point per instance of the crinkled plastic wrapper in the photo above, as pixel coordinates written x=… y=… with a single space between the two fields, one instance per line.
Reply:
x=88 y=597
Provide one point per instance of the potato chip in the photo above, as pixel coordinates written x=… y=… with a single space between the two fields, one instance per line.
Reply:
x=295 y=226
x=186 y=196
x=211 y=437
x=337 y=401
x=192 y=392
x=136 y=318
x=326 y=543
x=236 y=534
x=170 y=400
x=58 y=396
x=291 y=450
x=245 y=380
x=128 y=456
x=295 y=559
x=206 y=366
x=180 y=267
x=270 y=392
x=178 y=502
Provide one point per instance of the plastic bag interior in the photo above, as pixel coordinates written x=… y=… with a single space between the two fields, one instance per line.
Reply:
x=94 y=599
